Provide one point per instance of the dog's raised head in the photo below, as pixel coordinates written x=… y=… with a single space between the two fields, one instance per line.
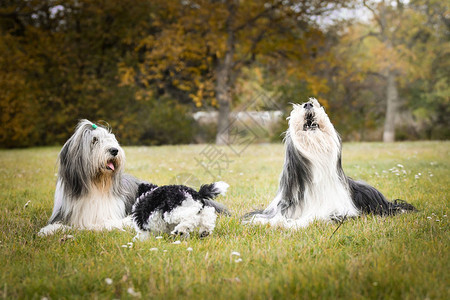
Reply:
x=92 y=155
x=311 y=130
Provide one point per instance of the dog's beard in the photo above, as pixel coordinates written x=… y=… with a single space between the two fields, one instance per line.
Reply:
x=106 y=167
x=106 y=164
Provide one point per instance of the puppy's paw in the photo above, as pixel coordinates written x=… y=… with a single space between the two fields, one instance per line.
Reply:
x=183 y=234
x=204 y=234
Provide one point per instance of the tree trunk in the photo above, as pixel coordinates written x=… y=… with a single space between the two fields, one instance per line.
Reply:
x=391 y=108
x=224 y=100
x=223 y=80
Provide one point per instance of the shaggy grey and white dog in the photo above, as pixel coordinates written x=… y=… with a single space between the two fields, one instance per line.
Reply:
x=92 y=192
x=313 y=185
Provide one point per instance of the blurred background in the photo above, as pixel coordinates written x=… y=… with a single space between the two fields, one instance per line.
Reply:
x=181 y=71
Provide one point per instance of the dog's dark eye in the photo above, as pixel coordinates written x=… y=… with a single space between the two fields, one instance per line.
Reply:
x=94 y=140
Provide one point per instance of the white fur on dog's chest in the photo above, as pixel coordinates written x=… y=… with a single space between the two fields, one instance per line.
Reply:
x=96 y=210
x=326 y=195
x=326 y=198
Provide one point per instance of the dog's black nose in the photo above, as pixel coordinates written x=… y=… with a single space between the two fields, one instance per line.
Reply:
x=308 y=105
x=113 y=151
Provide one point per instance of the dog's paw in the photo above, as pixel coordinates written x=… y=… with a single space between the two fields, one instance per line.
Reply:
x=338 y=218
x=183 y=234
x=204 y=234
x=52 y=229
x=141 y=236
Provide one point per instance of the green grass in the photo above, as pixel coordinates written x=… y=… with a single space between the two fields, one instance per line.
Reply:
x=401 y=257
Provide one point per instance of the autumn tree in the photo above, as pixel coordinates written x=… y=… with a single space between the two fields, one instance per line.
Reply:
x=390 y=65
x=428 y=84
x=200 y=47
x=398 y=29
x=59 y=63
x=143 y=66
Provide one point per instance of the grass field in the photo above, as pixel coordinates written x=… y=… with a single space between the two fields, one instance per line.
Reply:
x=401 y=257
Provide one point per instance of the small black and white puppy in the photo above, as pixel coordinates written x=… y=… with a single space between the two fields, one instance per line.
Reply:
x=177 y=209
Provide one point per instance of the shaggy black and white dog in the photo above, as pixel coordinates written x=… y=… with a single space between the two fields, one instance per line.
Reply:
x=92 y=192
x=313 y=185
x=176 y=209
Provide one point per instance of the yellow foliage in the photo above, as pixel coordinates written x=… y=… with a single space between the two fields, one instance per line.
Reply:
x=127 y=74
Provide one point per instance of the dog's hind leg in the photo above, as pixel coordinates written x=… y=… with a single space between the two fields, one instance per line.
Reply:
x=368 y=199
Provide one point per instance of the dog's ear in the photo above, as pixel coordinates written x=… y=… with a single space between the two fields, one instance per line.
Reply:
x=73 y=173
x=63 y=154
x=145 y=187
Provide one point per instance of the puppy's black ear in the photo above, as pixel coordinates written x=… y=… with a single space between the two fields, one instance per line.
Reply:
x=144 y=187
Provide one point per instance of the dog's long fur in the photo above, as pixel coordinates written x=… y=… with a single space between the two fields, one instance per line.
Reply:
x=313 y=185
x=92 y=192
x=176 y=209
